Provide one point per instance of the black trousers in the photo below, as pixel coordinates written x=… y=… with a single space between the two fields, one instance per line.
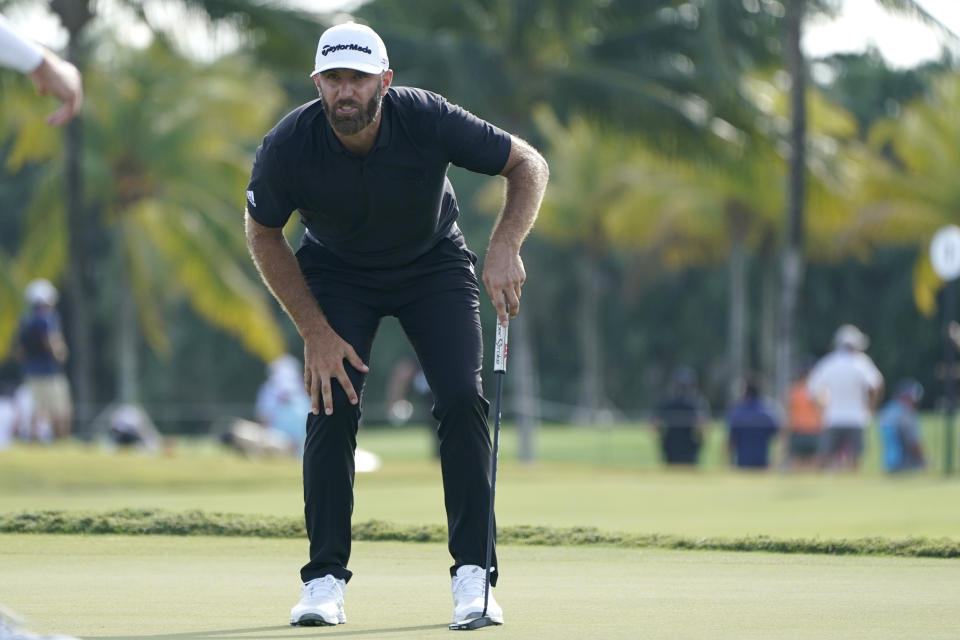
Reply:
x=436 y=300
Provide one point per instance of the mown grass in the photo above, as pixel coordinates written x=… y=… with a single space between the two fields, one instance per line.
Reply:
x=191 y=523
x=611 y=497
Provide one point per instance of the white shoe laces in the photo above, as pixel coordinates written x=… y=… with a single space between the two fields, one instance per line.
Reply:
x=470 y=585
x=326 y=587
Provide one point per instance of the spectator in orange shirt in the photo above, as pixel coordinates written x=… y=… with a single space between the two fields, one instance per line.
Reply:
x=803 y=423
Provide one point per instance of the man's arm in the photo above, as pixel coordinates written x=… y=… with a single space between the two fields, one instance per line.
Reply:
x=503 y=275
x=49 y=73
x=876 y=396
x=323 y=350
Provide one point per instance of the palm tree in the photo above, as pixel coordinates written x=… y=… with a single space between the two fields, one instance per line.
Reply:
x=907 y=187
x=166 y=153
x=613 y=192
x=272 y=33
x=793 y=250
x=656 y=68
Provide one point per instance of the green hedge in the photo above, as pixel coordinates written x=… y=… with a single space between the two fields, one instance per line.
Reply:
x=159 y=522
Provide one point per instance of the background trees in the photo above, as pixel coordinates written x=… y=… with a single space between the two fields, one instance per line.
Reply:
x=668 y=127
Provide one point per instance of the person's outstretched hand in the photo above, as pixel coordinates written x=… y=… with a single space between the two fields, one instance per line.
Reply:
x=60 y=79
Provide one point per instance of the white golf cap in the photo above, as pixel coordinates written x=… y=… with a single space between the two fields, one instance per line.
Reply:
x=41 y=291
x=850 y=336
x=351 y=46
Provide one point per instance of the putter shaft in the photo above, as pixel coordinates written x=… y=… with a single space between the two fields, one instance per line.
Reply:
x=500 y=368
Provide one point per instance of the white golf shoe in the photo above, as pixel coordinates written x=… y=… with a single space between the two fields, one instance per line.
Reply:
x=468 y=590
x=321 y=603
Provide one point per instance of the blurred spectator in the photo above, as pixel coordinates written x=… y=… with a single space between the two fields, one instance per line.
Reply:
x=407 y=376
x=899 y=428
x=847 y=385
x=252 y=440
x=681 y=419
x=283 y=403
x=803 y=422
x=399 y=384
x=42 y=352
x=129 y=427
x=8 y=405
x=752 y=424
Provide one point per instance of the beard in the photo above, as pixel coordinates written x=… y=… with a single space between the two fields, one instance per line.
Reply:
x=347 y=125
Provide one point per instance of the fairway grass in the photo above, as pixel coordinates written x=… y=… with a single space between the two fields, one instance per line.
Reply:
x=196 y=588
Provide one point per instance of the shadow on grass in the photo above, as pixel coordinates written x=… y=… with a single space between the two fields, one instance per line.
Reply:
x=264 y=633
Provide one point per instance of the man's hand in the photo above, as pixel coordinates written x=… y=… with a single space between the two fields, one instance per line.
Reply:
x=503 y=277
x=323 y=354
x=61 y=79
x=323 y=350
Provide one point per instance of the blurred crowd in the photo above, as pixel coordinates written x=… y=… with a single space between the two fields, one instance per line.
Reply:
x=821 y=424
x=36 y=405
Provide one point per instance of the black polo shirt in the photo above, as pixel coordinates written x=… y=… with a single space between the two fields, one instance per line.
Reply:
x=388 y=207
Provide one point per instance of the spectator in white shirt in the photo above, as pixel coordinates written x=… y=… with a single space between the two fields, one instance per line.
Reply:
x=848 y=386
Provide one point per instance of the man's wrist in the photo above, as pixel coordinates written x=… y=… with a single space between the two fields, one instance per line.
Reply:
x=503 y=243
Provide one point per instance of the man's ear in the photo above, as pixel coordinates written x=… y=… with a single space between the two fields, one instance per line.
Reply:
x=316 y=82
x=387 y=79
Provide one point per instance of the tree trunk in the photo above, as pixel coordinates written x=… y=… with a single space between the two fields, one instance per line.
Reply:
x=737 y=320
x=768 y=317
x=74 y=17
x=592 y=402
x=127 y=334
x=78 y=322
x=793 y=266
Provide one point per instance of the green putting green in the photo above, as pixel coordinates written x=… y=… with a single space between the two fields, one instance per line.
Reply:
x=196 y=588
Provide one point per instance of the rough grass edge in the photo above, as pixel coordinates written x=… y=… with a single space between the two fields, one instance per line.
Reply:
x=202 y=523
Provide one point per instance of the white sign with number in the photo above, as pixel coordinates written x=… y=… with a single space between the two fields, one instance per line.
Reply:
x=945 y=252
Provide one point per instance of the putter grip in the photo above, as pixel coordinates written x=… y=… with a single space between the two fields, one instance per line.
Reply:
x=500 y=355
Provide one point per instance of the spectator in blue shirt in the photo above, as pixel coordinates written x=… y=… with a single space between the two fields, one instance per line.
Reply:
x=753 y=423
x=900 y=429
x=42 y=351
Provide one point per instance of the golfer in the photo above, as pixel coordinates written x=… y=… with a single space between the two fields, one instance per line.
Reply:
x=365 y=166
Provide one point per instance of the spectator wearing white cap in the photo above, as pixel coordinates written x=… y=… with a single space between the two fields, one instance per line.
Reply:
x=848 y=386
x=42 y=351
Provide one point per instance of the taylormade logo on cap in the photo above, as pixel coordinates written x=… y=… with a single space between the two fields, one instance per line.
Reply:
x=351 y=46
x=327 y=48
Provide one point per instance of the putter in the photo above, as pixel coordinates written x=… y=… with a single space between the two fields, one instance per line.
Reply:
x=500 y=369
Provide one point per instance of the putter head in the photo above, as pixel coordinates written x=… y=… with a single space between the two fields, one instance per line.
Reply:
x=475 y=623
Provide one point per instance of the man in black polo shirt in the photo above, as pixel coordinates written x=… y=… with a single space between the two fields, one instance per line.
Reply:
x=365 y=166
